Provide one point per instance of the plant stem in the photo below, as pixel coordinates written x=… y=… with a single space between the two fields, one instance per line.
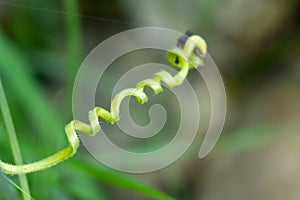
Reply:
x=14 y=144
x=73 y=38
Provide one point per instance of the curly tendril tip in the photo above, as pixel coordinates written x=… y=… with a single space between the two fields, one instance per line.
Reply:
x=189 y=53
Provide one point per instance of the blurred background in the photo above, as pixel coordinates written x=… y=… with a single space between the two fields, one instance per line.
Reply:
x=256 y=46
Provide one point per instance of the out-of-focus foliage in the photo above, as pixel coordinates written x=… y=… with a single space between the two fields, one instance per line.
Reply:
x=29 y=87
x=256 y=47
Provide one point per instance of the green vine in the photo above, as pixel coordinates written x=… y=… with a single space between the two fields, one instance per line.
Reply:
x=189 y=53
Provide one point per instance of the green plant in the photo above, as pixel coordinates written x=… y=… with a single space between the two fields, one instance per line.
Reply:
x=14 y=144
x=189 y=55
x=29 y=102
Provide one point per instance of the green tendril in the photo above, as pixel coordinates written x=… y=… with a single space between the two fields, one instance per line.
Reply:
x=184 y=58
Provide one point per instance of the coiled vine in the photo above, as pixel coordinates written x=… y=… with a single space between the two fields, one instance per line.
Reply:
x=189 y=53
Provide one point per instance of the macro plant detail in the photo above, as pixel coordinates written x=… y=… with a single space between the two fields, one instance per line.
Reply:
x=189 y=53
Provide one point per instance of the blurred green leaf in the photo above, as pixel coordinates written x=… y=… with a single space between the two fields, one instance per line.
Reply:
x=248 y=138
x=80 y=185
x=107 y=175
x=14 y=70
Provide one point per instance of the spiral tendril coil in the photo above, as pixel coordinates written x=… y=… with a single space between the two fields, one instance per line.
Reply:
x=185 y=56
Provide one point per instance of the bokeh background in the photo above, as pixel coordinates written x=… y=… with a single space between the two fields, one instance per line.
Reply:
x=256 y=46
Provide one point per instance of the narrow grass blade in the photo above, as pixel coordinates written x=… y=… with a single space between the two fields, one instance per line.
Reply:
x=6 y=188
x=13 y=140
